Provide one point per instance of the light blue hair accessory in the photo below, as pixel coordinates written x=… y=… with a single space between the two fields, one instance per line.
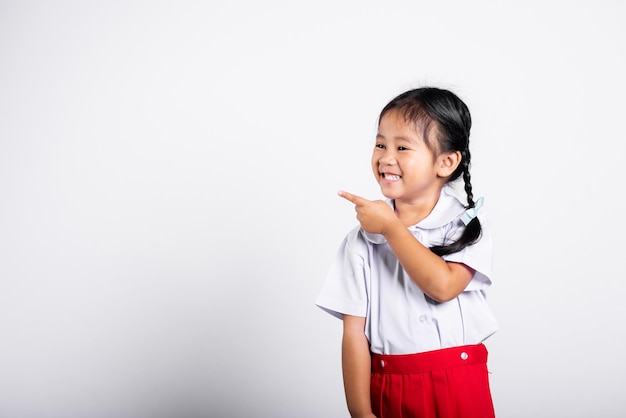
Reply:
x=471 y=213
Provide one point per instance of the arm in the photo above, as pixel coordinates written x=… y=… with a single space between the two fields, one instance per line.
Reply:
x=356 y=365
x=437 y=278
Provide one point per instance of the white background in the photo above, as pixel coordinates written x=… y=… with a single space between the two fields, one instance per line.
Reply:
x=168 y=211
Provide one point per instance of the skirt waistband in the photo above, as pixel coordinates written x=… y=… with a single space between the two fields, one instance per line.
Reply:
x=430 y=360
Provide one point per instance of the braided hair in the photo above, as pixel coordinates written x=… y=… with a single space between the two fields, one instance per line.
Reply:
x=447 y=117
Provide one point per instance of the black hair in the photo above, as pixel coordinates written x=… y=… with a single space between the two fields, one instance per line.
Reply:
x=443 y=113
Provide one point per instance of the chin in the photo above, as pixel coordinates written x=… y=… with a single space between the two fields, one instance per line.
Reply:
x=388 y=194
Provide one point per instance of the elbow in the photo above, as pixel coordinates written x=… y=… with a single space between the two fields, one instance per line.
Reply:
x=445 y=289
x=442 y=295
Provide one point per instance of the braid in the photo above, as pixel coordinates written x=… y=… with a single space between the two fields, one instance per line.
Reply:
x=467 y=178
x=473 y=230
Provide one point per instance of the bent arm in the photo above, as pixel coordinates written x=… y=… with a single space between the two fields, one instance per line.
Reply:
x=356 y=365
x=439 y=279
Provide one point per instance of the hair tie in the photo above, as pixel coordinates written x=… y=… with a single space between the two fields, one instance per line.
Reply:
x=471 y=213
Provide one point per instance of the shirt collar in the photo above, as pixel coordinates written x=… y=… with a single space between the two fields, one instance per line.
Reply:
x=447 y=209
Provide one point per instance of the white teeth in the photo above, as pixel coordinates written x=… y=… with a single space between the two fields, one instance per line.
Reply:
x=391 y=176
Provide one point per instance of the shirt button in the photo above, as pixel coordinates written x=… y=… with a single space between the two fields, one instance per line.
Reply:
x=464 y=355
x=423 y=318
x=382 y=363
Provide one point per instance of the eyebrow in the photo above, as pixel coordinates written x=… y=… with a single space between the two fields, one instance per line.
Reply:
x=397 y=138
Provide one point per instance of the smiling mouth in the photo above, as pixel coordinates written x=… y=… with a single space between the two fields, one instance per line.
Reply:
x=390 y=177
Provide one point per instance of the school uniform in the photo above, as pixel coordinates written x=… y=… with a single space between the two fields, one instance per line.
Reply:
x=434 y=345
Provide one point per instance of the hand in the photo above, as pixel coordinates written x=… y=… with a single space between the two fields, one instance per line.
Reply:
x=375 y=216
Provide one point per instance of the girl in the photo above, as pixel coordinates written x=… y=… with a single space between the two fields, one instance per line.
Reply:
x=410 y=281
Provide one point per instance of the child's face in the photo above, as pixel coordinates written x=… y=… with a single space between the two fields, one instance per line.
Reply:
x=405 y=168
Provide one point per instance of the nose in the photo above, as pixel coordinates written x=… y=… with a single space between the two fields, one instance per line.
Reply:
x=388 y=157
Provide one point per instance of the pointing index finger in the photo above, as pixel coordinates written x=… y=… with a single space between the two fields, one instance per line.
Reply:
x=357 y=200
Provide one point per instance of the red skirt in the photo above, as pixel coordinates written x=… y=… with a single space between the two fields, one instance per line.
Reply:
x=447 y=383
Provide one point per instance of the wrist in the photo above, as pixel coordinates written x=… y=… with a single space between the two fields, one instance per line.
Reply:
x=393 y=227
x=368 y=414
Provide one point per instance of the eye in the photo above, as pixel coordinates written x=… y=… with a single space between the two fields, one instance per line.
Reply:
x=380 y=146
x=402 y=148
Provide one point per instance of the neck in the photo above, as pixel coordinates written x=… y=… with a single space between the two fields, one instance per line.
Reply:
x=413 y=212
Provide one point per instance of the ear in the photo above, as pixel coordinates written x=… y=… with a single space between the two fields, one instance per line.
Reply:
x=448 y=162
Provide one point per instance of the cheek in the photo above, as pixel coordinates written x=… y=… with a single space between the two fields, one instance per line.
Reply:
x=375 y=170
x=374 y=162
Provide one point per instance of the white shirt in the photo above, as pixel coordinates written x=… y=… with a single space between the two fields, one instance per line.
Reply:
x=367 y=280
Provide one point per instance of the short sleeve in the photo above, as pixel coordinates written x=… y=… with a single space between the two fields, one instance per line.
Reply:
x=345 y=289
x=479 y=257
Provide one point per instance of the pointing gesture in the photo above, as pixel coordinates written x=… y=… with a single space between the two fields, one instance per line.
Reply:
x=375 y=216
